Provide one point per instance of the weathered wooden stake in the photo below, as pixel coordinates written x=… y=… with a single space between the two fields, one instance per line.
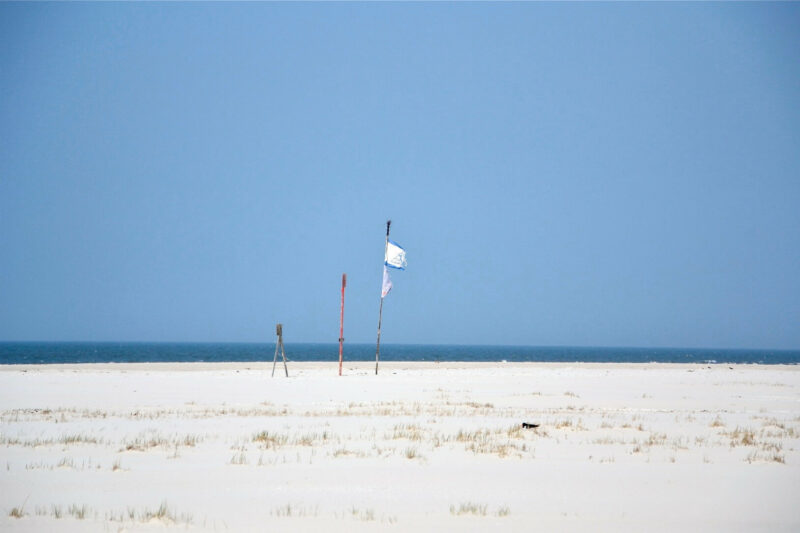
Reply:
x=279 y=345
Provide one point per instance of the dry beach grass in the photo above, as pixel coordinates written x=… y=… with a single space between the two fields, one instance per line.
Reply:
x=423 y=445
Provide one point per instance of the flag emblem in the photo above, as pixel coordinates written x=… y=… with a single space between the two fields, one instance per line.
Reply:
x=395 y=256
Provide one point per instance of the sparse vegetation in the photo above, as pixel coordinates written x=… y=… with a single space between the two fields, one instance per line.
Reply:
x=239 y=459
x=432 y=430
x=412 y=432
x=742 y=437
x=478 y=509
x=79 y=512
x=162 y=513
x=365 y=515
x=77 y=439
x=144 y=442
x=270 y=440
x=285 y=510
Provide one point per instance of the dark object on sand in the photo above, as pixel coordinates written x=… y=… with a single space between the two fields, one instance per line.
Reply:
x=526 y=425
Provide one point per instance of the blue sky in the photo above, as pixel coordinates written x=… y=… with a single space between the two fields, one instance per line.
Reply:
x=560 y=174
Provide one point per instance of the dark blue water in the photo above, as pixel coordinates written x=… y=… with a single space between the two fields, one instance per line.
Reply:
x=143 y=352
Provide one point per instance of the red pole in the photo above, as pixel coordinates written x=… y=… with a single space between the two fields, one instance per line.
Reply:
x=341 y=324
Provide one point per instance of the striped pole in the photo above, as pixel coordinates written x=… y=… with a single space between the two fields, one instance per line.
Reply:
x=341 y=324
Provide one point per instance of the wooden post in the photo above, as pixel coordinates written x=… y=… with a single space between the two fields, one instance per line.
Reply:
x=380 y=310
x=279 y=345
x=341 y=324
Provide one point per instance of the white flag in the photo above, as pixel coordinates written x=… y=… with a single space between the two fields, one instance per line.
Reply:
x=395 y=256
x=387 y=283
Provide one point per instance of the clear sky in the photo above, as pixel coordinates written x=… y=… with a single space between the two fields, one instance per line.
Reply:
x=560 y=174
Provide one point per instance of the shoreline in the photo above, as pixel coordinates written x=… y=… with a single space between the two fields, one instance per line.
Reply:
x=198 y=366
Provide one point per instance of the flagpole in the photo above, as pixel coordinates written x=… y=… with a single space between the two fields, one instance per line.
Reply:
x=380 y=310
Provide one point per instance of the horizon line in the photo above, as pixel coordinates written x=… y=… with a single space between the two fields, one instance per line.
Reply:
x=610 y=347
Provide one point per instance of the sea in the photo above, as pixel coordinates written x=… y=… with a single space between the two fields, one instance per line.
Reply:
x=148 y=352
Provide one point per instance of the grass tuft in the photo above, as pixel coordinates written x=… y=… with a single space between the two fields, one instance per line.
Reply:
x=477 y=509
x=239 y=459
x=270 y=440
x=503 y=511
x=78 y=512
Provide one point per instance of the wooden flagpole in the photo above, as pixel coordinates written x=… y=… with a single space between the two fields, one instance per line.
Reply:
x=380 y=310
x=341 y=324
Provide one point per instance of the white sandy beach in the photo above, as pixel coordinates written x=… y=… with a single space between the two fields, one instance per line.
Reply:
x=422 y=446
